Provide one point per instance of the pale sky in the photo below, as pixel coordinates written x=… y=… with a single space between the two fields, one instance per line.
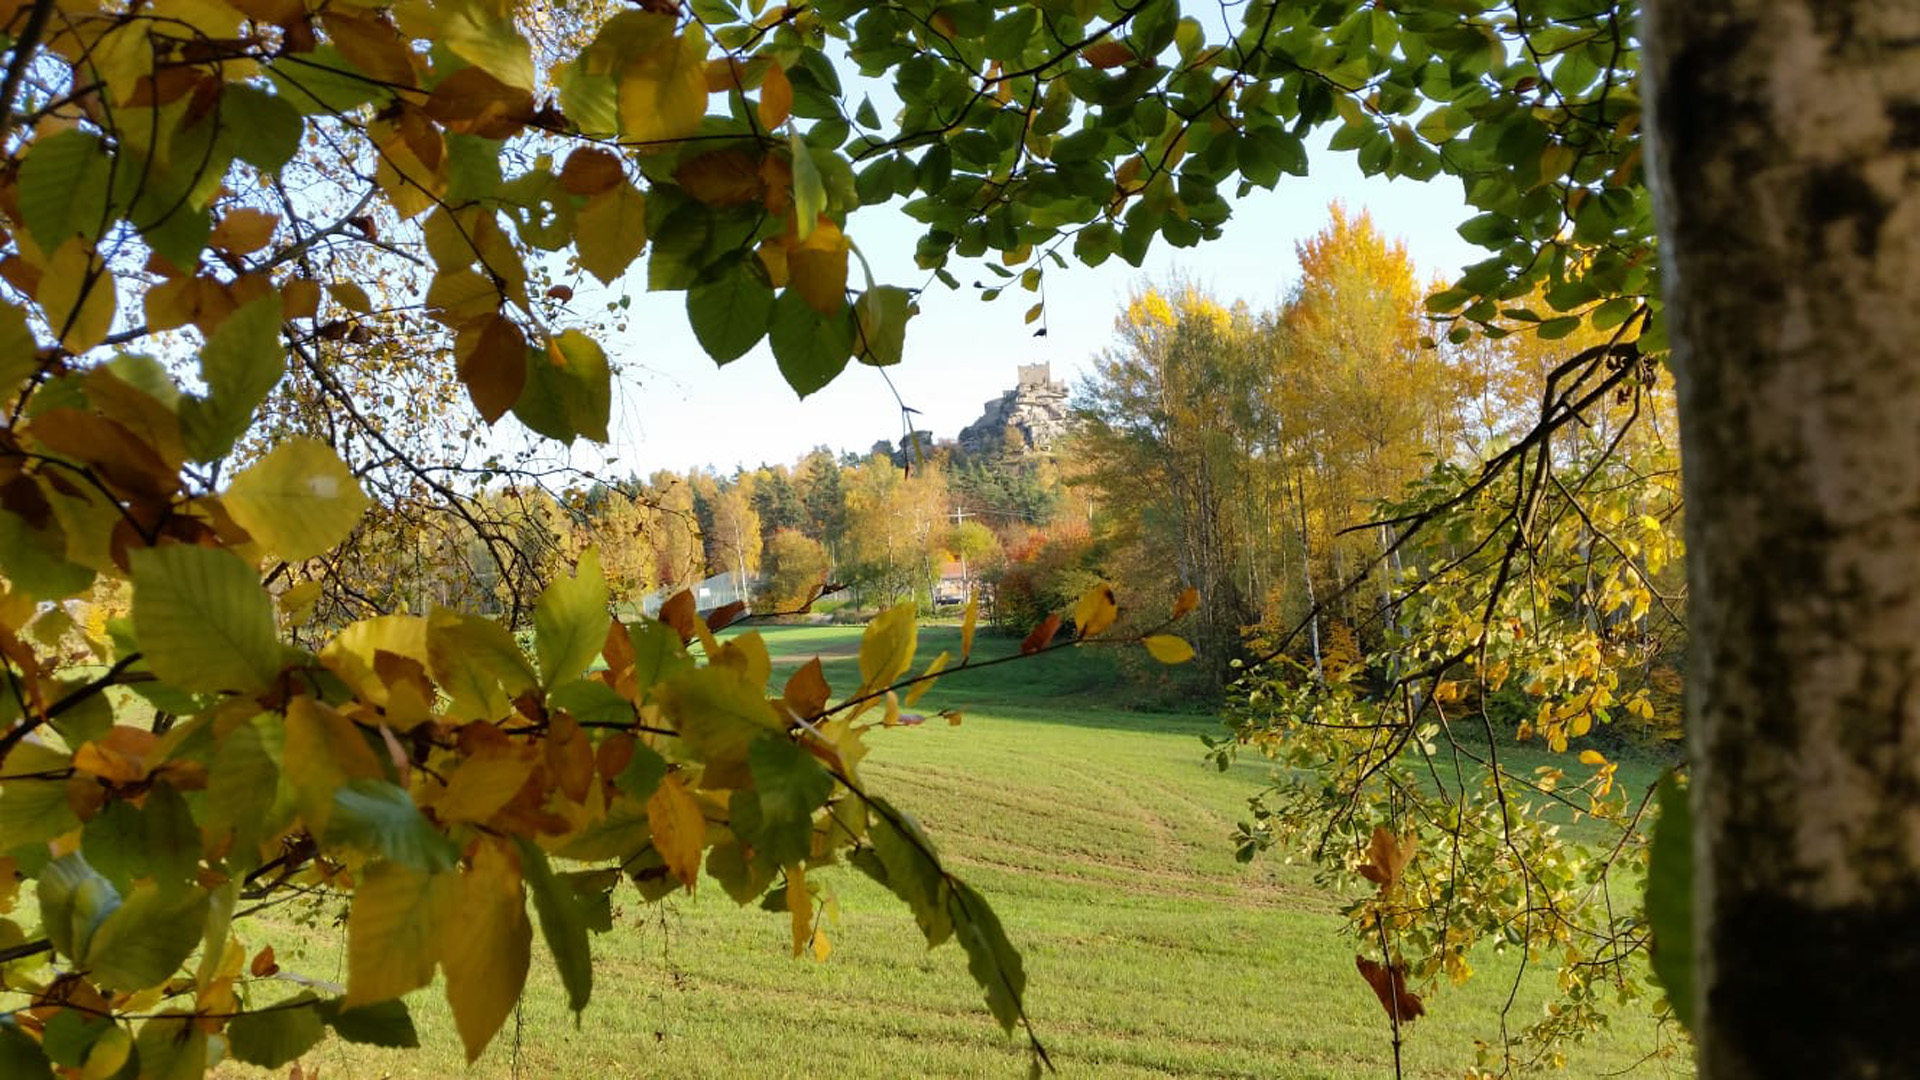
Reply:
x=673 y=408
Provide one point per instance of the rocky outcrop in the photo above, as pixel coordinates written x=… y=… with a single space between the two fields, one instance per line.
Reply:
x=1035 y=410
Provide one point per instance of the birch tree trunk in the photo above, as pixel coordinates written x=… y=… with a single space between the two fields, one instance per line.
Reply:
x=1786 y=143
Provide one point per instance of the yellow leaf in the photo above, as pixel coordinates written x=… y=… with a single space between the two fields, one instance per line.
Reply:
x=324 y=751
x=77 y=294
x=299 y=500
x=1033 y=313
x=297 y=602
x=484 y=783
x=817 y=266
x=1169 y=649
x=799 y=907
x=485 y=947
x=354 y=652
x=663 y=89
x=351 y=296
x=822 y=948
x=1095 y=612
x=243 y=231
x=612 y=231
x=776 y=98
x=1592 y=757
x=679 y=829
x=926 y=679
x=394 y=930
x=967 y=623
x=886 y=649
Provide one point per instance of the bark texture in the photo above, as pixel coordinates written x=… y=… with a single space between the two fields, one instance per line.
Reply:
x=1786 y=147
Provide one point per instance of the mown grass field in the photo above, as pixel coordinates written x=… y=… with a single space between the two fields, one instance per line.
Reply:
x=1099 y=834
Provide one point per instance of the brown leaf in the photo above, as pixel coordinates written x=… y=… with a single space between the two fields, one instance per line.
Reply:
x=723 y=616
x=1107 y=54
x=618 y=650
x=722 y=178
x=807 y=691
x=371 y=44
x=473 y=102
x=1387 y=856
x=263 y=964
x=1042 y=635
x=1189 y=599
x=491 y=358
x=590 y=171
x=1390 y=986
x=569 y=757
x=679 y=613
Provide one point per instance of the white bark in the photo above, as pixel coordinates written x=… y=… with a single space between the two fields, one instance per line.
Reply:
x=1786 y=145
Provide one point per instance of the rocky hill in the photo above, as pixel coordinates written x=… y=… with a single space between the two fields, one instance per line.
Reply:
x=1035 y=409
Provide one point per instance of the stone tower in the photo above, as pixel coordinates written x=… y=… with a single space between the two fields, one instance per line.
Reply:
x=1035 y=409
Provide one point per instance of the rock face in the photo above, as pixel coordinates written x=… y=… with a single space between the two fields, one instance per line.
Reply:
x=1035 y=409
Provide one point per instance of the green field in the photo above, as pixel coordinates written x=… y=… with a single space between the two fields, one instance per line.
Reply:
x=1099 y=834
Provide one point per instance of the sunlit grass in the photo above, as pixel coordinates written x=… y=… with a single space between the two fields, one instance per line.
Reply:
x=1100 y=836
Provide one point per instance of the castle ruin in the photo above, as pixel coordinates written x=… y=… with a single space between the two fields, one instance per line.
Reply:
x=1035 y=409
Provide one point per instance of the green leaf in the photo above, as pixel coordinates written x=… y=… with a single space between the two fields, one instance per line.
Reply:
x=380 y=820
x=611 y=231
x=321 y=82
x=380 y=1023
x=642 y=774
x=730 y=311
x=35 y=562
x=18 y=351
x=63 y=188
x=148 y=937
x=477 y=662
x=241 y=788
x=569 y=389
x=881 y=316
x=718 y=712
x=276 y=1035
x=1487 y=230
x=790 y=784
x=393 y=930
x=809 y=191
x=74 y=900
x=69 y=1035
x=657 y=653
x=911 y=871
x=470 y=29
x=202 y=619
x=263 y=129
x=241 y=363
x=811 y=348
x=171 y=1047
x=563 y=923
x=570 y=622
x=1670 y=898
x=591 y=701
x=299 y=500
x=991 y=958
x=20 y=1055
